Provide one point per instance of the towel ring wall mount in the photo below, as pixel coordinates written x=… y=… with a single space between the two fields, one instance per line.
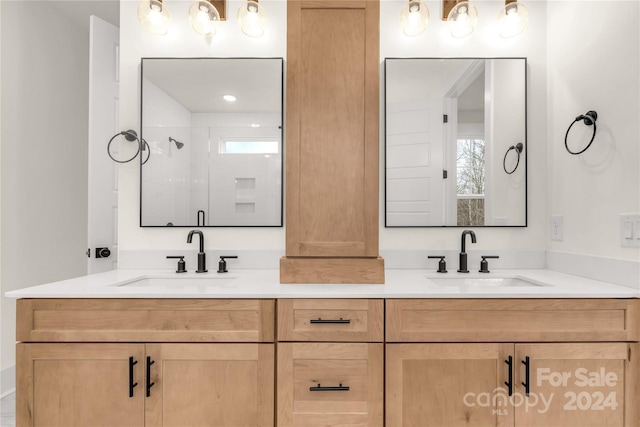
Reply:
x=130 y=135
x=588 y=119
x=518 y=149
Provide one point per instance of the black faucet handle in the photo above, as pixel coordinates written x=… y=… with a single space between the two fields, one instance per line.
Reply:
x=442 y=265
x=484 y=264
x=222 y=264
x=182 y=266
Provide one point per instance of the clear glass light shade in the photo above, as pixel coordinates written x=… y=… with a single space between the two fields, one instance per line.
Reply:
x=154 y=16
x=414 y=18
x=512 y=19
x=252 y=19
x=462 y=19
x=204 y=17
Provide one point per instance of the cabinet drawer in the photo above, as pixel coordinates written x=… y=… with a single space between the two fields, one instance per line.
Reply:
x=513 y=320
x=331 y=320
x=322 y=384
x=145 y=320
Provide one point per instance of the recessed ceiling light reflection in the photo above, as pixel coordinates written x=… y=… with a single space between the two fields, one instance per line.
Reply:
x=229 y=98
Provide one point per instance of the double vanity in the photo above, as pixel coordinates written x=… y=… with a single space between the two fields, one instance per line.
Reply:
x=332 y=337
x=157 y=348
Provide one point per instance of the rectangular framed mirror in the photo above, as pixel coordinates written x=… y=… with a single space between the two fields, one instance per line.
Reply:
x=214 y=132
x=456 y=141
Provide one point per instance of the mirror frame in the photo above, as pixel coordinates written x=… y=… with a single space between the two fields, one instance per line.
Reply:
x=525 y=142
x=282 y=153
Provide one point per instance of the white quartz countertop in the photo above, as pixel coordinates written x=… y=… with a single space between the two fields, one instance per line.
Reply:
x=266 y=284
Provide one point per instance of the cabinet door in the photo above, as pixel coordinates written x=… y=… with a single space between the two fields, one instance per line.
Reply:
x=330 y=384
x=447 y=385
x=571 y=385
x=79 y=385
x=332 y=143
x=216 y=385
x=332 y=129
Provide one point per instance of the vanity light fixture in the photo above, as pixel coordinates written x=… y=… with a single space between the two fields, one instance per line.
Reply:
x=204 y=16
x=229 y=98
x=154 y=16
x=461 y=17
x=252 y=18
x=414 y=18
x=512 y=19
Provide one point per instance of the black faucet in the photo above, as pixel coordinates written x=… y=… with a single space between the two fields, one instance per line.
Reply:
x=202 y=257
x=463 y=254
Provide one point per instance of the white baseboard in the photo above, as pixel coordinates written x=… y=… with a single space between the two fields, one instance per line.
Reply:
x=611 y=270
x=7 y=381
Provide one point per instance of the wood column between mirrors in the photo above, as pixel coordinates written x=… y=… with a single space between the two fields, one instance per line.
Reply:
x=332 y=157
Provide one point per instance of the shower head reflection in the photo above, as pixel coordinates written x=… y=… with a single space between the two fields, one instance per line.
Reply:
x=179 y=144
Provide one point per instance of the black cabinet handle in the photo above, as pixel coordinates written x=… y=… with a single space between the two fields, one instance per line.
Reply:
x=132 y=363
x=149 y=383
x=319 y=320
x=526 y=384
x=509 y=383
x=330 y=388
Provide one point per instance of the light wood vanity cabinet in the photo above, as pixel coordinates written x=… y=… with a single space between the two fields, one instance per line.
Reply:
x=332 y=143
x=330 y=362
x=357 y=362
x=189 y=363
x=454 y=363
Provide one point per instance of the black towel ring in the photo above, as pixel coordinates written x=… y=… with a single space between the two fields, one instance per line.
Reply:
x=518 y=147
x=588 y=119
x=130 y=135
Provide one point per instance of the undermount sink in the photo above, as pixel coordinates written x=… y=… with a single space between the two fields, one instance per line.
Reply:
x=485 y=282
x=179 y=282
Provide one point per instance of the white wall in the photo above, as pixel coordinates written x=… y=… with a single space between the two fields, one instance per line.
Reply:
x=166 y=173
x=484 y=42
x=44 y=151
x=507 y=192
x=3 y=387
x=182 y=41
x=594 y=66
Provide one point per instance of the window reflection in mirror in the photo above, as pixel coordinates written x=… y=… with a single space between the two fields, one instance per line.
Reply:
x=448 y=125
x=214 y=128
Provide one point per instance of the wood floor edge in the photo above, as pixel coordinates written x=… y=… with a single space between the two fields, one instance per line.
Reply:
x=332 y=270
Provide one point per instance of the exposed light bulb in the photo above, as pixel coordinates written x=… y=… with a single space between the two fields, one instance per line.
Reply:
x=204 y=17
x=252 y=19
x=154 y=16
x=512 y=19
x=414 y=18
x=462 y=19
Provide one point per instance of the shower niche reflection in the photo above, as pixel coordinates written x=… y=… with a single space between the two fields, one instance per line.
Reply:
x=214 y=128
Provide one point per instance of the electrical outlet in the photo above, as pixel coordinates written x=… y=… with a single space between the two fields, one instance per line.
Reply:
x=630 y=230
x=557 y=228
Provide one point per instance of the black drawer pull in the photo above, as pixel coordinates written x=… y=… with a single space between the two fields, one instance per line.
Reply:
x=131 y=383
x=340 y=320
x=334 y=388
x=149 y=383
